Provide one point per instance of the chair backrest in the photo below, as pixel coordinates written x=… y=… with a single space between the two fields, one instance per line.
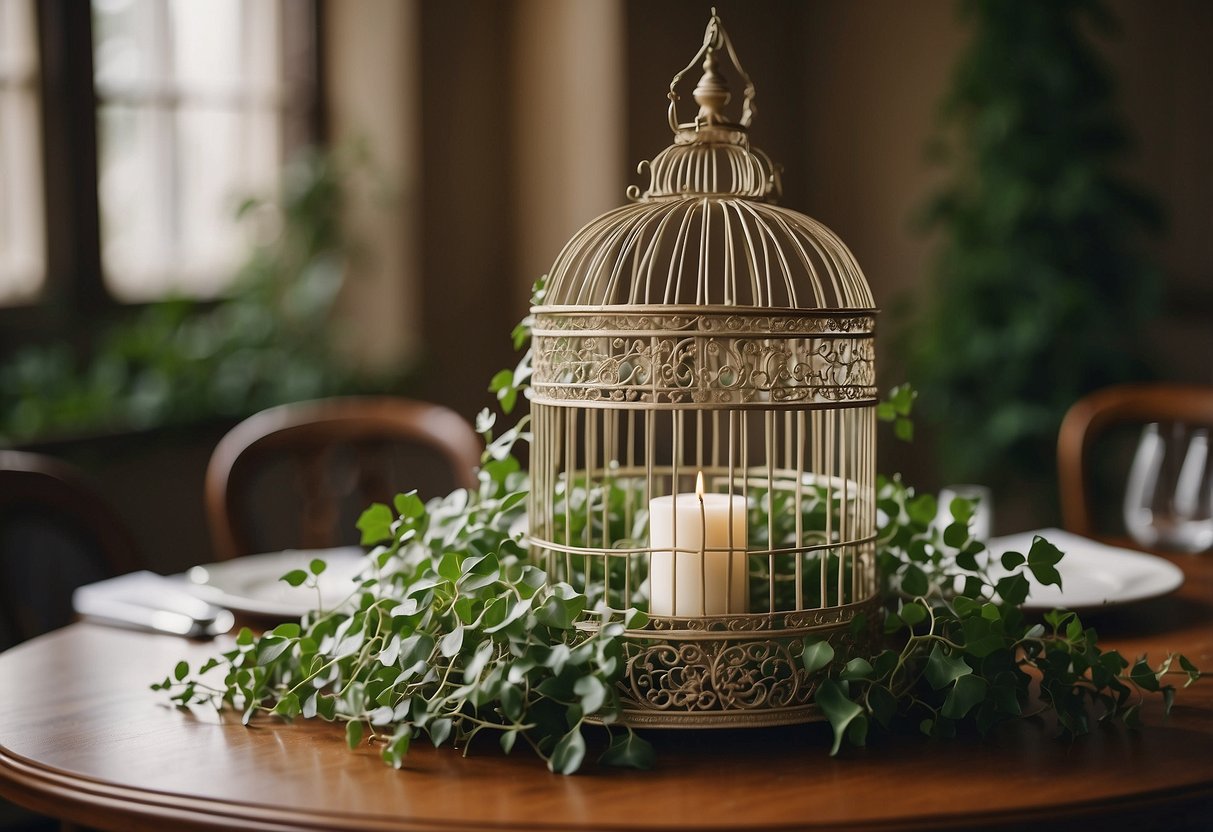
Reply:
x=330 y=456
x=1097 y=413
x=56 y=533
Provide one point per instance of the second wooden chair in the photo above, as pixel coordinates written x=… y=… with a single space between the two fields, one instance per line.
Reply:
x=1096 y=414
x=306 y=469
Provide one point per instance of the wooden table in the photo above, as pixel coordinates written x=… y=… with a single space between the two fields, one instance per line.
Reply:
x=82 y=738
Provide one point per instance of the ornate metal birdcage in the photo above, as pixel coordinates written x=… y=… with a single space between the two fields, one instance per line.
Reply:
x=703 y=405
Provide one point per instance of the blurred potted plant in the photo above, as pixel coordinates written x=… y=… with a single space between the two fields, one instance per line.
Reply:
x=183 y=361
x=1039 y=285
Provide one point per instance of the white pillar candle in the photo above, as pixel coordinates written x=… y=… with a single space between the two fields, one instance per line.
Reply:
x=695 y=580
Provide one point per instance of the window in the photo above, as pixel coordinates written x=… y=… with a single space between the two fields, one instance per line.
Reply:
x=189 y=120
x=181 y=109
x=22 y=231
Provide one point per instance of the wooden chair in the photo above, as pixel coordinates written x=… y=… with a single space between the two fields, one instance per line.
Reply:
x=1097 y=413
x=338 y=454
x=56 y=533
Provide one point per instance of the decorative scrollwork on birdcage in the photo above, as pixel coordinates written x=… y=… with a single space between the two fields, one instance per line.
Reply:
x=703 y=405
x=705 y=369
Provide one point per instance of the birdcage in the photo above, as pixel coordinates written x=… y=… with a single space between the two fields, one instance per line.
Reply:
x=703 y=404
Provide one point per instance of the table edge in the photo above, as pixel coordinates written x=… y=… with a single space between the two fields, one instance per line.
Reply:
x=75 y=797
x=105 y=804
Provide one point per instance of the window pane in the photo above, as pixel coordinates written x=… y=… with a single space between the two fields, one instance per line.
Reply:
x=127 y=44
x=22 y=228
x=177 y=233
x=190 y=123
x=136 y=217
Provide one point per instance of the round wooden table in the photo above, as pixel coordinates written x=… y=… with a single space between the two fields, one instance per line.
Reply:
x=83 y=738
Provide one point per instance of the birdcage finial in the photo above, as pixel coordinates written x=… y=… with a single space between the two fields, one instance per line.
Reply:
x=712 y=93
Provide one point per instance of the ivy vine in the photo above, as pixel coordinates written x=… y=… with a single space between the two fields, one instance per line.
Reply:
x=451 y=632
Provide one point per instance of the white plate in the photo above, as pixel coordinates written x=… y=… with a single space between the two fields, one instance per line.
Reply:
x=251 y=584
x=1093 y=575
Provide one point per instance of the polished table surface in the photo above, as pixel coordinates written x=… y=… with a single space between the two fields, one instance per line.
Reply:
x=84 y=739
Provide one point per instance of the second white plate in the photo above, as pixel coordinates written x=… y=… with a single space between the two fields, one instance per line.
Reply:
x=1093 y=574
x=252 y=584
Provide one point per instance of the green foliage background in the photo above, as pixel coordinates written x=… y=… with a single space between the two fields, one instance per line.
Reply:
x=266 y=342
x=1039 y=287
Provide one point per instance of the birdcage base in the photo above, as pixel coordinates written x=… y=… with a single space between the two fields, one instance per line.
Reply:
x=732 y=673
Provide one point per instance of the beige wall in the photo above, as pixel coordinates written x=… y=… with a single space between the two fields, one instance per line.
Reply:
x=568 y=115
x=532 y=114
x=1164 y=63
x=373 y=98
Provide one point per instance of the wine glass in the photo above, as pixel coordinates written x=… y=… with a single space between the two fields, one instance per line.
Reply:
x=1169 y=495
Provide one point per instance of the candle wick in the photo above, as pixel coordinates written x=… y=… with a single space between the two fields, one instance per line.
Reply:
x=703 y=526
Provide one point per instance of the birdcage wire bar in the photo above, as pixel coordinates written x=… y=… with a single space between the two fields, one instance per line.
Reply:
x=821 y=460
x=705 y=332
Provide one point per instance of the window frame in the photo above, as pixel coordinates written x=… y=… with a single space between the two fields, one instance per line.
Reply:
x=74 y=297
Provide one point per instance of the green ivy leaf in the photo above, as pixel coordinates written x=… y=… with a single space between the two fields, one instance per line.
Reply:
x=956 y=535
x=882 y=704
x=288 y=706
x=629 y=751
x=592 y=692
x=375 y=524
x=569 y=752
x=962 y=510
x=837 y=708
x=450 y=566
x=517 y=611
x=1143 y=676
x=439 y=730
x=485 y=420
x=1012 y=560
x=967 y=692
x=559 y=613
x=922 y=509
x=944 y=668
x=914 y=581
x=912 y=613
x=1168 y=699
x=817 y=654
x=409 y=506
x=1193 y=673
x=507 y=741
x=1013 y=589
x=501 y=381
x=857 y=668
x=295 y=577
x=353 y=733
x=968 y=561
x=857 y=731
x=503 y=385
x=1043 y=558
x=398 y=746
x=270 y=648
x=903 y=429
x=902 y=398
x=451 y=642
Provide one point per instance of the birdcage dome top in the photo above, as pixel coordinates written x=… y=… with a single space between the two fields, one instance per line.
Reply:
x=706 y=231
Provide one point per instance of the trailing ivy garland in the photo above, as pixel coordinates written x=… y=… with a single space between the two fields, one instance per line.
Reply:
x=451 y=632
